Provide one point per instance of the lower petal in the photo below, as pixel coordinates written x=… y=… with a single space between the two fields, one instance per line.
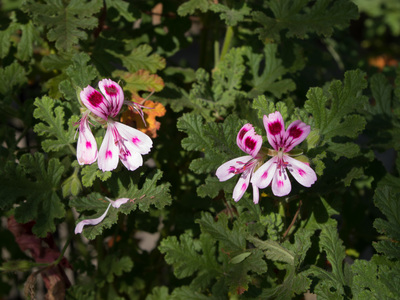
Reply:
x=86 y=150
x=227 y=170
x=256 y=194
x=241 y=187
x=131 y=159
x=263 y=176
x=139 y=140
x=281 y=185
x=301 y=171
x=109 y=151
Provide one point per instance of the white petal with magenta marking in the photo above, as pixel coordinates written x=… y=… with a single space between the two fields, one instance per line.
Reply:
x=264 y=174
x=131 y=159
x=81 y=224
x=226 y=170
x=95 y=102
x=112 y=91
x=281 y=185
x=300 y=171
x=275 y=128
x=109 y=151
x=295 y=134
x=141 y=142
x=241 y=187
x=86 y=150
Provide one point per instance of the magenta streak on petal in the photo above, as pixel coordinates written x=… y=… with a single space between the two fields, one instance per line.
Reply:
x=111 y=90
x=242 y=133
x=275 y=128
x=264 y=175
x=280 y=183
x=232 y=169
x=108 y=154
x=135 y=140
x=95 y=98
x=301 y=172
x=295 y=132
x=244 y=187
x=250 y=143
x=88 y=145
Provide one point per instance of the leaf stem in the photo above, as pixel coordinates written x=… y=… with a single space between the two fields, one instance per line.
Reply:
x=227 y=41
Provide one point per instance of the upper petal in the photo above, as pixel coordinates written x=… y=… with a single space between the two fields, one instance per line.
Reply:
x=227 y=170
x=264 y=174
x=140 y=141
x=81 y=224
x=275 y=128
x=241 y=186
x=95 y=102
x=86 y=150
x=252 y=143
x=281 y=185
x=109 y=151
x=300 y=171
x=248 y=141
x=114 y=94
x=295 y=134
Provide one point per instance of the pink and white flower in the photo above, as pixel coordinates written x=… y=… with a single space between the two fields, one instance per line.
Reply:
x=275 y=169
x=116 y=204
x=86 y=150
x=249 y=142
x=120 y=142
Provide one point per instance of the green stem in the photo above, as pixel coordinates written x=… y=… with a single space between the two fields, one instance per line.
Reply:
x=227 y=41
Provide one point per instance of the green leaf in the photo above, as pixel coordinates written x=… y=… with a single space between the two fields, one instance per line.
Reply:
x=123 y=9
x=140 y=58
x=386 y=199
x=231 y=15
x=232 y=240
x=91 y=172
x=302 y=17
x=186 y=292
x=37 y=182
x=25 y=45
x=65 y=21
x=52 y=126
x=239 y=258
x=189 y=7
x=159 y=293
x=270 y=79
x=273 y=250
x=113 y=266
x=382 y=94
x=12 y=77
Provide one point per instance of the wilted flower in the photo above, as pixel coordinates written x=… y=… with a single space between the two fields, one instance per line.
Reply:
x=275 y=169
x=116 y=204
x=249 y=142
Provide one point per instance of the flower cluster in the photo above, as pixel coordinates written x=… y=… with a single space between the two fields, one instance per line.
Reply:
x=120 y=142
x=274 y=170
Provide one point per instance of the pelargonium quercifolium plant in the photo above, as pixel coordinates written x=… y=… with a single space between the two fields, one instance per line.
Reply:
x=179 y=129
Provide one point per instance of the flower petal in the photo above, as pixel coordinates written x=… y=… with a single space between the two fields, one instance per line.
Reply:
x=81 y=224
x=117 y=203
x=112 y=91
x=139 y=141
x=227 y=170
x=295 y=134
x=86 y=150
x=300 y=171
x=264 y=174
x=281 y=185
x=130 y=157
x=256 y=194
x=241 y=186
x=248 y=141
x=109 y=151
x=95 y=102
x=275 y=128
